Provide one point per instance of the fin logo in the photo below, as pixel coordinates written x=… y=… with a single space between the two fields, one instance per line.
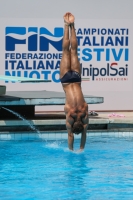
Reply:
x=35 y=38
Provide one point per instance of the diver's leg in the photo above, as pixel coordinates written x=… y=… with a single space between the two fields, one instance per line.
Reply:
x=75 y=65
x=65 y=61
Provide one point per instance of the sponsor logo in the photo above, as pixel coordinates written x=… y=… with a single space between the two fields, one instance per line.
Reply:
x=111 y=70
x=33 y=37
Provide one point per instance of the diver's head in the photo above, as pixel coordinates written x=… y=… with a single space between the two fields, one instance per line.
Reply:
x=77 y=127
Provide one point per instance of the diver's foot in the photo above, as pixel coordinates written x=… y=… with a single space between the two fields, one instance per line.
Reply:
x=66 y=19
x=69 y=19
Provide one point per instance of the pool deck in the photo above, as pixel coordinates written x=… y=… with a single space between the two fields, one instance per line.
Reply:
x=24 y=103
x=55 y=121
x=123 y=121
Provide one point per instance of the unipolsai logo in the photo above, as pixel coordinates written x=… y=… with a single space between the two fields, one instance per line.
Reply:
x=35 y=39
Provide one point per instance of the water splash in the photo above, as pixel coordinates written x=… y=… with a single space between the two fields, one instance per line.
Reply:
x=26 y=121
x=57 y=145
x=54 y=144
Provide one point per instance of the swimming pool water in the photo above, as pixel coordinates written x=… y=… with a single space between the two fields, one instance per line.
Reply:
x=42 y=170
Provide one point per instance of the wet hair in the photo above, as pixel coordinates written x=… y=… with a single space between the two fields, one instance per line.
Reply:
x=77 y=127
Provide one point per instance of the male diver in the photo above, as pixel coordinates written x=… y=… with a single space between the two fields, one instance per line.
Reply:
x=76 y=109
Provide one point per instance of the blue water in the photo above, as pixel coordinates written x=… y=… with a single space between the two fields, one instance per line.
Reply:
x=42 y=170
